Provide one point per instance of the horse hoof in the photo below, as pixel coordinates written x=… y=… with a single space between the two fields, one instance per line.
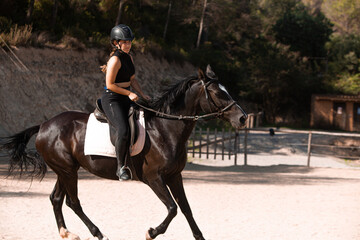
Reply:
x=96 y=238
x=65 y=234
x=147 y=235
x=72 y=236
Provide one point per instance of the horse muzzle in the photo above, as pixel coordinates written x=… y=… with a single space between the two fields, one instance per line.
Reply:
x=240 y=122
x=243 y=120
x=238 y=118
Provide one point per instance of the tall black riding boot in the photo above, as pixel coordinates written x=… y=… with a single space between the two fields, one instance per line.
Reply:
x=123 y=172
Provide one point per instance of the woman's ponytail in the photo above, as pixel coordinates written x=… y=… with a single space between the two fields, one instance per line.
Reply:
x=104 y=67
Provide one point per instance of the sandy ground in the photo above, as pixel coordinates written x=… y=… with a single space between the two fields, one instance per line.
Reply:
x=228 y=202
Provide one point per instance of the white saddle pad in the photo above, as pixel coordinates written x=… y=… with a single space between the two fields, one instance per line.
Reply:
x=97 y=138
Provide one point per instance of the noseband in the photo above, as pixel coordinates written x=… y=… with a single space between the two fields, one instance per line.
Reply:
x=194 y=118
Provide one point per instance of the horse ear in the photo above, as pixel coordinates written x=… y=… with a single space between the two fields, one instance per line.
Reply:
x=210 y=73
x=201 y=74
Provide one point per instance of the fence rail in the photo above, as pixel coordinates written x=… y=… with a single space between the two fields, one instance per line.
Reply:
x=228 y=143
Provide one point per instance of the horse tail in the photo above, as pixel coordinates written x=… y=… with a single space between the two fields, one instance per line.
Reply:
x=15 y=146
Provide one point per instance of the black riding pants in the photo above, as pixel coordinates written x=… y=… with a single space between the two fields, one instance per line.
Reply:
x=116 y=108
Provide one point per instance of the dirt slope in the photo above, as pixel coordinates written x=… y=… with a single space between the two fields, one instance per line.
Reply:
x=61 y=80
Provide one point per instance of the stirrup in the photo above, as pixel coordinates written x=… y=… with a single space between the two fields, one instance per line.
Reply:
x=125 y=168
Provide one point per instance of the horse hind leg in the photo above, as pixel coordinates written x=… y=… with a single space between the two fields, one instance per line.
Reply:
x=73 y=202
x=66 y=185
x=57 y=200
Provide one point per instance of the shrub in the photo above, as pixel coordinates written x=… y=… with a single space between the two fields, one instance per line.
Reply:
x=98 y=40
x=18 y=35
x=76 y=32
x=71 y=42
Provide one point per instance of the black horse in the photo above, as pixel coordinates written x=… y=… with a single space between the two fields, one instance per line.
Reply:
x=60 y=145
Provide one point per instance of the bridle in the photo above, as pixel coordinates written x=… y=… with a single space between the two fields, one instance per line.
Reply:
x=220 y=111
x=211 y=101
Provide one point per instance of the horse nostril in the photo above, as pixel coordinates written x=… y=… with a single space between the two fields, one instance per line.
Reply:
x=243 y=119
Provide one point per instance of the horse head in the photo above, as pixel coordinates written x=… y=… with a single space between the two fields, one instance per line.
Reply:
x=215 y=98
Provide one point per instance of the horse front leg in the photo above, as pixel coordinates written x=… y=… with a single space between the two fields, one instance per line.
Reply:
x=177 y=189
x=160 y=189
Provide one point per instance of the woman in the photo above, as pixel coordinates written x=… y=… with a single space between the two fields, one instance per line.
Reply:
x=116 y=99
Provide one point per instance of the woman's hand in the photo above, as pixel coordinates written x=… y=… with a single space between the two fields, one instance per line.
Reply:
x=133 y=97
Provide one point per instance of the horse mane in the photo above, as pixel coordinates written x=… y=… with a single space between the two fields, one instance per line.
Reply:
x=172 y=96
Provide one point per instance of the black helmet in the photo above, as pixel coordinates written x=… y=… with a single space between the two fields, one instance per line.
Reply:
x=121 y=32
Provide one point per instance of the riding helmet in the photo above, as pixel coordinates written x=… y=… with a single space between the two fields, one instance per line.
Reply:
x=121 y=32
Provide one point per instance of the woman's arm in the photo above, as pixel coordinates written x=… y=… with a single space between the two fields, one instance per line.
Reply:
x=135 y=84
x=113 y=67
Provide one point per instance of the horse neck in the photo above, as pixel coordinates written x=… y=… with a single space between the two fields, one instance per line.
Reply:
x=180 y=130
x=191 y=107
x=176 y=131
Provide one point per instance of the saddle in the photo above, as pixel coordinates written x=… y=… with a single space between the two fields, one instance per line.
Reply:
x=133 y=116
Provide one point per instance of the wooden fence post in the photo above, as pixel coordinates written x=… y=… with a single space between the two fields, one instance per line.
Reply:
x=230 y=143
x=207 y=142
x=309 y=149
x=193 y=138
x=245 y=147
x=215 y=143
x=200 y=138
x=236 y=146
x=223 y=144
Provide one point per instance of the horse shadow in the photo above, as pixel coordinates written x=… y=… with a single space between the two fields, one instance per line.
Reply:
x=259 y=175
x=232 y=175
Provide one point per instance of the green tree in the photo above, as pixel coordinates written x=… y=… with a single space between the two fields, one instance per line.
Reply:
x=14 y=10
x=265 y=51
x=30 y=11
x=344 y=64
x=269 y=11
x=344 y=14
x=303 y=32
x=281 y=82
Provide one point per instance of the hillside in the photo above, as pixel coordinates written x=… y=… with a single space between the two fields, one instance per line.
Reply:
x=61 y=80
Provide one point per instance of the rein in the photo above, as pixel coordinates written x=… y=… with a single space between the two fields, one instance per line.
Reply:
x=194 y=118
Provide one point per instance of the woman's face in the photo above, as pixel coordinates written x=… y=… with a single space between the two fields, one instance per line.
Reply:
x=125 y=45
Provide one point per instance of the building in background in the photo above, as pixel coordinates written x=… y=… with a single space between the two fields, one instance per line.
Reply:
x=336 y=112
